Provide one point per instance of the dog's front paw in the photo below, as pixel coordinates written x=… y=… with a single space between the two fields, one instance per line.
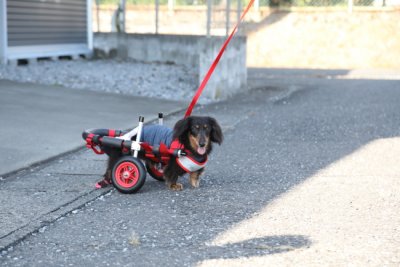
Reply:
x=194 y=179
x=195 y=183
x=176 y=187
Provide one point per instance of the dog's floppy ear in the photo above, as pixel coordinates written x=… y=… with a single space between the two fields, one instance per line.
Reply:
x=181 y=128
x=216 y=135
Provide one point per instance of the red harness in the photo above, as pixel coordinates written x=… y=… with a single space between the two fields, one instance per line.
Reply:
x=188 y=163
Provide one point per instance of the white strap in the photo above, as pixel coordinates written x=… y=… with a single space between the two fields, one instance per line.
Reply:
x=189 y=164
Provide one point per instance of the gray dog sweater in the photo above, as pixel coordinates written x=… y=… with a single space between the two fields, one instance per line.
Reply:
x=156 y=134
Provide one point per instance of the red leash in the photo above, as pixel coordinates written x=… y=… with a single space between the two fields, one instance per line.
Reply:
x=215 y=63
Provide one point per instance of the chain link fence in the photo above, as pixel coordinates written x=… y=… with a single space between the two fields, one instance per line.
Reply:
x=317 y=3
x=199 y=17
x=189 y=17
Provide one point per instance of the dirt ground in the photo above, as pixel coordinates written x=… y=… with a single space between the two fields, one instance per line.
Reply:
x=297 y=38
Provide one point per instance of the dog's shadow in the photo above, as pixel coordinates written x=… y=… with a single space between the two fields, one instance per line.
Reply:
x=153 y=185
x=257 y=247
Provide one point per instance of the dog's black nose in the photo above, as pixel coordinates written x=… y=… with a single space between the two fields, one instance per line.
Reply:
x=202 y=144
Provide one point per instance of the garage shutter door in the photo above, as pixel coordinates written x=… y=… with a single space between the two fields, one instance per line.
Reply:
x=43 y=22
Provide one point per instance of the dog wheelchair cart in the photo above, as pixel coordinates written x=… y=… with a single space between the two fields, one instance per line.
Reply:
x=129 y=172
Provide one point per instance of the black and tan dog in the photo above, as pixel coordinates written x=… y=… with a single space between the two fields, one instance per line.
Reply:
x=196 y=134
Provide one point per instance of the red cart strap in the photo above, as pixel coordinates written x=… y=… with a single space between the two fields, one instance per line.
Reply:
x=90 y=144
x=89 y=140
x=111 y=133
x=97 y=151
x=176 y=145
x=215 y=63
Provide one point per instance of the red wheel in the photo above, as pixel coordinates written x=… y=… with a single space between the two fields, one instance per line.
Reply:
x=128 y=175
x=155 y=170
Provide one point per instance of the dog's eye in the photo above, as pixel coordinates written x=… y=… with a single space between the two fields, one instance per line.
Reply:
x=197 y=127
x=205 y=126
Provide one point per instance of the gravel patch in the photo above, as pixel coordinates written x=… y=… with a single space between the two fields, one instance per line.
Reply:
x=165 y=81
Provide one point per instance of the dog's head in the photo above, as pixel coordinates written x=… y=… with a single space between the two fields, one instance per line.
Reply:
x=197 y=134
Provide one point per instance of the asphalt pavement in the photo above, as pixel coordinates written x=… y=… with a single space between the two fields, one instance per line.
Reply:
x=40 y=122
x=307 y=176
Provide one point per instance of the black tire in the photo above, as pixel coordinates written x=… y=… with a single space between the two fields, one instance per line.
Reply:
x=155 y=171
x=128 y=175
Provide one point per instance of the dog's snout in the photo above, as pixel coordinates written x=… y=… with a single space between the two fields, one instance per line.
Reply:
x=202 y=140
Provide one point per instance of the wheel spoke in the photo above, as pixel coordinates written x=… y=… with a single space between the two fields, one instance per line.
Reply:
x=133 y=173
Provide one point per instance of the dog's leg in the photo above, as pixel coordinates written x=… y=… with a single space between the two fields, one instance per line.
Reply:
x=172 y=184
x=176 y=187
x=194 y=179
x=171 y=177
x=110 y=166
x=107 y=174
x=106 y=181
x=114 y=155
